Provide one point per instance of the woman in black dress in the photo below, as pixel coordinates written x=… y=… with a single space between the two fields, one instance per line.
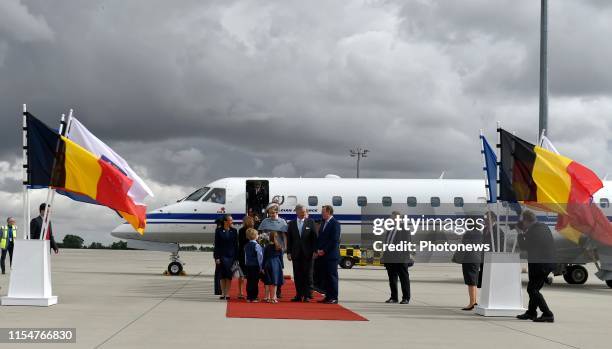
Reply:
x=247 y=223
x=470 y=265
x=226 y=253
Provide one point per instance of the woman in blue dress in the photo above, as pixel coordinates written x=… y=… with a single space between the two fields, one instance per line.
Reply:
x=275 y=223
x=273 y=271
x=226 y=253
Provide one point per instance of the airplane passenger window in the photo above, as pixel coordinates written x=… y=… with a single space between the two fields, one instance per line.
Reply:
x=411 y=201
x=362 y=201
x=435 y=201
x=458 y=201
x=313 y=201
x=197 y=195
x=216 y=195
x=337 y=200
x=604 y=203
x=291 y=201
x=386 y=201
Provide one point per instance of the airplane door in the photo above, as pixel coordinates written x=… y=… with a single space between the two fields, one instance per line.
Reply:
x=257 y=196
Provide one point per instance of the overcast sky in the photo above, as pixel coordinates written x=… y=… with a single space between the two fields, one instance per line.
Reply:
x=192 y=91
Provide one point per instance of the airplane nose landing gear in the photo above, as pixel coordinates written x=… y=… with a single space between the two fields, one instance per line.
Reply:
x=176 y=265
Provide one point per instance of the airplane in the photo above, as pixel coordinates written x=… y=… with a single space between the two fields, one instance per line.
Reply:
x=192 y=220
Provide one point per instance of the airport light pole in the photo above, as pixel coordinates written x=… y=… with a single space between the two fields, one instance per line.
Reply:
x=359 y=153
x=543 y=127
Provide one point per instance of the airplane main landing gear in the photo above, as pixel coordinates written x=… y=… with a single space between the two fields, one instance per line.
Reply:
x=176 y=265
x=609 y=283
x=575 y=274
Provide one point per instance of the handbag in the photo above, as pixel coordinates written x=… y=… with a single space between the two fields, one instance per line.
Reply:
x=458 y=257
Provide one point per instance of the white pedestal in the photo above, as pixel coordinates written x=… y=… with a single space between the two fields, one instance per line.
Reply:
x=501 y=293
x=30 y=282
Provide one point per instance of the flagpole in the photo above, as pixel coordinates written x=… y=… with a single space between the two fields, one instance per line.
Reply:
x=498 y=182
x=507 y=226
x=24 y=170
x=542 y=134
x=487 y=192
x=51 y=192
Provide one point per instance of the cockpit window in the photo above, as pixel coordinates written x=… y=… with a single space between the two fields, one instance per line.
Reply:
x=216 y=195
x=197 y=195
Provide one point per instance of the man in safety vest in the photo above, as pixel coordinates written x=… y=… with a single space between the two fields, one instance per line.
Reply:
x=8 y=234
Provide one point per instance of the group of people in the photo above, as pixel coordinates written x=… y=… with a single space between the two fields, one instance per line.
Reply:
x=255 y=253
x=536 y=239
x=8 y=235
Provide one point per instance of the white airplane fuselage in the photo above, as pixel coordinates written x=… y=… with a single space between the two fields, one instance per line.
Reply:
x=191 y=221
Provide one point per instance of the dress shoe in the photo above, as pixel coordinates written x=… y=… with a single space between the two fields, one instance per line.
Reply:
x=306 y=300
x=391 y=300
x=470 y=307
x=527 y=316
x=545 y=318
x=324 y=300
x=296 y=299
x=332 y=301
x=405 y=301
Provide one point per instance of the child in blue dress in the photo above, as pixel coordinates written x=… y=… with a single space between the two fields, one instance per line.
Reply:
x=272 y=265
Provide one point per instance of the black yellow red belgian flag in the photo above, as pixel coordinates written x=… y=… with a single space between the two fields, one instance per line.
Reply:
x=555 y=183
x=57 y=162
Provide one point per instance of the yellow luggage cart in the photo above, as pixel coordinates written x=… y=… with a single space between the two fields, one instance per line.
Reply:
x=354 y=255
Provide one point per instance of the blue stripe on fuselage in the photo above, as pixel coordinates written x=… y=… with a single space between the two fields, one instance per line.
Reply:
x=209 y=218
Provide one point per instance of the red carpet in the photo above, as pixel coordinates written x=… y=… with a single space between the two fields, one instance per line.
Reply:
x=286 y=309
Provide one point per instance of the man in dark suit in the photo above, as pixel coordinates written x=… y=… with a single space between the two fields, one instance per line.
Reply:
x=301 y=245
x=538 y=241
x=328 y=249
x=257 y=198
x=36 y=226
x=397 y=263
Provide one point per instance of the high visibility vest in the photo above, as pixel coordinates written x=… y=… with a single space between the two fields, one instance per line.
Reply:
x=4 y=237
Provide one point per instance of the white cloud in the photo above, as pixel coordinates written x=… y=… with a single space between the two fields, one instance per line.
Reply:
x=284 y=170
x=18 y=23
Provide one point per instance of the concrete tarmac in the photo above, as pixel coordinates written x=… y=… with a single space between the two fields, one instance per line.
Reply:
x=120 y=299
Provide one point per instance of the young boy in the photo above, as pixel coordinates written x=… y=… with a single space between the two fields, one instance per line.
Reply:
x=253 y=260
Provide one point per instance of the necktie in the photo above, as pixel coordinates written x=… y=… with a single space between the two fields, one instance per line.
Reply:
x=391 y=236
x=300 y=226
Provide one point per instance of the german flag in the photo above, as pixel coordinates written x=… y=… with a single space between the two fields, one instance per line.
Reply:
x=542 y=178
x=56 y=161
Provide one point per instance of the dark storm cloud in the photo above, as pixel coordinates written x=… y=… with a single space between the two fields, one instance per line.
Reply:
x=192 y=91
x=579 y=46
